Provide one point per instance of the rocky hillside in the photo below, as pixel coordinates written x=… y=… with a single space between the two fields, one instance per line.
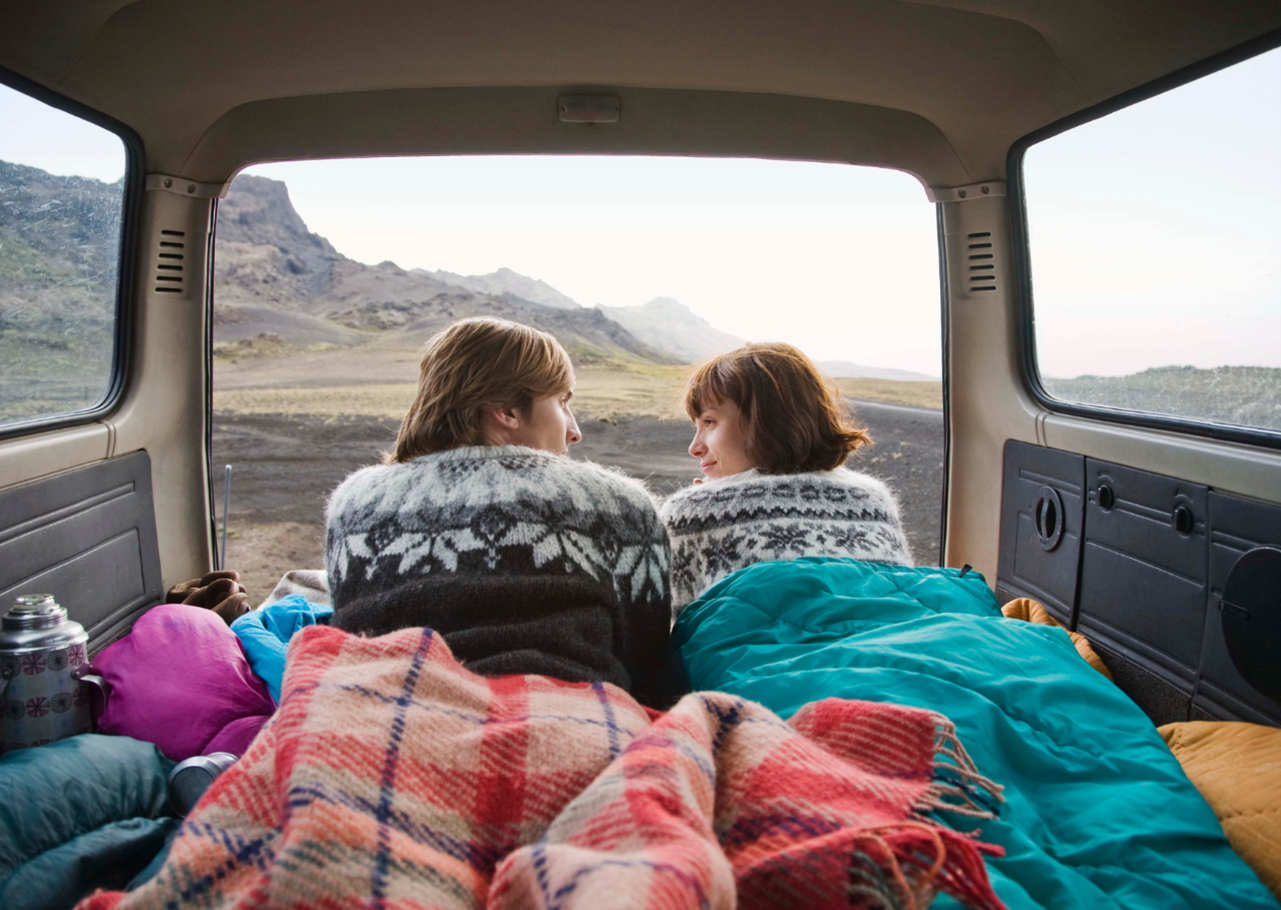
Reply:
x=59 y=254
x=274 y=277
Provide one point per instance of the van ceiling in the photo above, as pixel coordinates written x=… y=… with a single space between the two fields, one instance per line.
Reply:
x=940 y=88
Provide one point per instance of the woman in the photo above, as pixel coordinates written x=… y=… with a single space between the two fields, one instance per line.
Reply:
x=480 y=527
x=771 y=435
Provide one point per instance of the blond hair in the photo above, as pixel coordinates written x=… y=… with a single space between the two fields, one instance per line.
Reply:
x=794 y=419
x=473 y=366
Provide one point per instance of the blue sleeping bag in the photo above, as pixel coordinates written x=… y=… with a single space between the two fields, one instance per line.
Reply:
x=1098 y=812
x=264 y=634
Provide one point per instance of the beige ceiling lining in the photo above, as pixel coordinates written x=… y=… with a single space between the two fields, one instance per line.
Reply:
x=524 y=120
x=196 y=65
x=983 y=72
x=1111 y=46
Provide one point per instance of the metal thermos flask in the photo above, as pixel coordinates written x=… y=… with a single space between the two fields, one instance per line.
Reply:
x=44 y=675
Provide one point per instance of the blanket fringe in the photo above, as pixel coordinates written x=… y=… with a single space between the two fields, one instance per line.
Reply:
x=912 y=862
x=958 y=786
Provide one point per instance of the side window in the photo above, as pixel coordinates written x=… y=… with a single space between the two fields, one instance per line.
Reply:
x=62 y=191
x=1155 y=245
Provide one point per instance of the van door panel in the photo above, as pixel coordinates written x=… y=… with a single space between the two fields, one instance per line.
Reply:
x=88 y=537
x=1149 y=582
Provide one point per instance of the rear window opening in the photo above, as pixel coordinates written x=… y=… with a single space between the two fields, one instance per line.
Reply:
x=330 y=276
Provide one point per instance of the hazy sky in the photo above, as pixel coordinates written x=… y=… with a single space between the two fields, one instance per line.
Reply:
x=1156 y=233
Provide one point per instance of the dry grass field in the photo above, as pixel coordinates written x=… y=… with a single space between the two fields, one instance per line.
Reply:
x=381 y=384
x=888 y=391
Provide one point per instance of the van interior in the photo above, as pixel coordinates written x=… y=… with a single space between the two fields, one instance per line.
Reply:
x=1123 y=515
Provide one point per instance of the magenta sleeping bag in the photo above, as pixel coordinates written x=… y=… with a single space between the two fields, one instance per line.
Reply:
x=180 y=680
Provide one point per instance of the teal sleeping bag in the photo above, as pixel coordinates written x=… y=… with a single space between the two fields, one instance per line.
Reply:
x=1098 y=813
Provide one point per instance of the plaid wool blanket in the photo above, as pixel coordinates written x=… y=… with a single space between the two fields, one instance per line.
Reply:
x=393 y=777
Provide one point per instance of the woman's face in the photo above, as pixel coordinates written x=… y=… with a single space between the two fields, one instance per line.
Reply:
x=551 y=425
x=719 y=444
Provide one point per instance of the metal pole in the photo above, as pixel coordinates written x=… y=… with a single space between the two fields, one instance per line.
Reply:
x=226 y=501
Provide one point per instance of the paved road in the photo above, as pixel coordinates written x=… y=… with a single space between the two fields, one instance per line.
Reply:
x=908 y=455
x=286 y=466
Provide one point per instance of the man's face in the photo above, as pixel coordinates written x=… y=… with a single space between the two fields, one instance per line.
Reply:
x=719 y=443
x=550 y=425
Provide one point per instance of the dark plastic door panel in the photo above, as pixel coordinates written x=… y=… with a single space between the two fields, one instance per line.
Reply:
x=1237 y=525
x=1139 y=570
x=1033 y=564
x=1143 y=566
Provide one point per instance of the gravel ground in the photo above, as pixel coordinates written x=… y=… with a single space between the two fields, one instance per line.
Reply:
x=284 y=467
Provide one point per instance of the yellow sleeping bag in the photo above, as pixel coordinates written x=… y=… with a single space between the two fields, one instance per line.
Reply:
x=1237 y=768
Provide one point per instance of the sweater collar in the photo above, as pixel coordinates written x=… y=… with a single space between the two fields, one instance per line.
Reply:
x=487 y=453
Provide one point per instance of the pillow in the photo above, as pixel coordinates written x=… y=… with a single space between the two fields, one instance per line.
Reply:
x=1237 y=768
x=177 y=680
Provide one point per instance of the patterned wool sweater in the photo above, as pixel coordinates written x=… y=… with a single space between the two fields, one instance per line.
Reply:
x=726 y=524
x=525 y=561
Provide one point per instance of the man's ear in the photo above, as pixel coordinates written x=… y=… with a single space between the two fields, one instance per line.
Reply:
x=507 y=418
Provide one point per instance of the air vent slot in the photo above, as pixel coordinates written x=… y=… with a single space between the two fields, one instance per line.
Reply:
x=171 y=263
x=981 y=263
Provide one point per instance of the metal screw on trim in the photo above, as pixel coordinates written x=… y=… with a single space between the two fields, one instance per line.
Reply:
x=960 y=193
x=168 y=183
x=191 y=187
x=986 y=191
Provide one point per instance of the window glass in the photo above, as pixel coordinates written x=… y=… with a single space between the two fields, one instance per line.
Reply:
x=61 y=199
x=1155 y=237
x=330 y=276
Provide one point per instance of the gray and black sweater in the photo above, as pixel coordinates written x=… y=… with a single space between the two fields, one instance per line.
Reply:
x=525 y=561
x=723 y=525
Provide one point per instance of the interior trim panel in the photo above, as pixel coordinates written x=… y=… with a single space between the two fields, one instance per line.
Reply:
x=1136 y=561
x=88 y=537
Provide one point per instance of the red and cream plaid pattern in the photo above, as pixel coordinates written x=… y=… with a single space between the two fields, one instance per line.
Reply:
x=392 y=777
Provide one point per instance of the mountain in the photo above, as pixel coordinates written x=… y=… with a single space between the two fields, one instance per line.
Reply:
x=272 y=275
x=505 y=281
x=672 y=327
x=843 y=369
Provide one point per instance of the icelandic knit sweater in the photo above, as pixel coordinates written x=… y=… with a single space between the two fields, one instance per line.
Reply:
x=526 y=562
x=723 y=525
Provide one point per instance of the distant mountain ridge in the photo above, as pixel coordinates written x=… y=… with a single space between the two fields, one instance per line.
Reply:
x=671 y=326
x=505 y=281
x=274 y=276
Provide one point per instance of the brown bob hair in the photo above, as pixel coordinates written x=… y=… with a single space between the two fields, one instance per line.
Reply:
x=473 y=366
x=794 y=418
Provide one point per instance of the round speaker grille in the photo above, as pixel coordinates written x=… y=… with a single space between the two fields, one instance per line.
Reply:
x=1251 y=611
